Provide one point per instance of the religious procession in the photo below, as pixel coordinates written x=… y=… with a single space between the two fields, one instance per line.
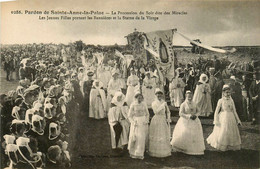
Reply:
x=140 y=90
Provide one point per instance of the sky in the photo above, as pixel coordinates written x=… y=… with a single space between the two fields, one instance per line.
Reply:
x=215 y=23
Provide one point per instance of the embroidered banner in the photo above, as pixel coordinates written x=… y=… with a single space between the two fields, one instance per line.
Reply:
x=159 y=44
x=99 y=56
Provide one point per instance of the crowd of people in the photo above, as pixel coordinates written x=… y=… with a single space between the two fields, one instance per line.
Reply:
x=40 y=119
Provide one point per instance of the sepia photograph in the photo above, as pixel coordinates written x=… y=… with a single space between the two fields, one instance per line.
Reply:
x=130 y=84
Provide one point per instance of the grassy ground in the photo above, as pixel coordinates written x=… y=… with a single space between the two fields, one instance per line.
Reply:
x=6 y=86
x=94 y=151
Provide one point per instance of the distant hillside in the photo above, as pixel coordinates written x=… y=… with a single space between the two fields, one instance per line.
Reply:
x=242 y=54
x=222 y=47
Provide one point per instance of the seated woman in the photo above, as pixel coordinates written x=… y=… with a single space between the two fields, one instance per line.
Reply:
x=18 y=128
x=27 y=154
x=187 y=136
x=65 y=155
x=54 y=157
x=54 y=133
x=10 y=150
x=119 y=124
x=37 y=132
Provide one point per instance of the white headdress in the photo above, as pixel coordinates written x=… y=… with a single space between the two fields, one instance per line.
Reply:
x=48 y=111
x=9 y=139
x=115 y=101
x=28 y=115
x=56 y=127
x=201 y=78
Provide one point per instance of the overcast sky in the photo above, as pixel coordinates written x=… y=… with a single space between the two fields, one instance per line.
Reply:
x=216 y=23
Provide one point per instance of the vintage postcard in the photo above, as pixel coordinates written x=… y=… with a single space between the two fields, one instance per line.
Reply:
x=130 y=84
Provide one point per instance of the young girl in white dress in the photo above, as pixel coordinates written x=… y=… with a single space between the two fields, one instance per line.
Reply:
x=225 y=135
x=139 y=118
x=202 y=96
x=159 y=133
x=114 y=85
x=149 y=89
x=176 y=88
x=98 y=102
x=187 y=136
x=132 y=83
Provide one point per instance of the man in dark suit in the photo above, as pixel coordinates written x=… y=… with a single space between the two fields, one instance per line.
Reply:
x=212 y=84
x=254 y=92
x=86 y=89
x=77 y=93
x=16 y=63
x=8 y=67
x=217 y=64
x=236 y=95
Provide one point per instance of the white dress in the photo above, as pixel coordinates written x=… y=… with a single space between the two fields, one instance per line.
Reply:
x=159 y=131
x=97 y=103
x=187 y=136
x=225 y=135
x=138 y=138
x=113 y=87
x=104 y=76
x=81 y=81
x=149 y=90
x=132 y=82
x=202 y=99
x=176 y=91
x=118 y=113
